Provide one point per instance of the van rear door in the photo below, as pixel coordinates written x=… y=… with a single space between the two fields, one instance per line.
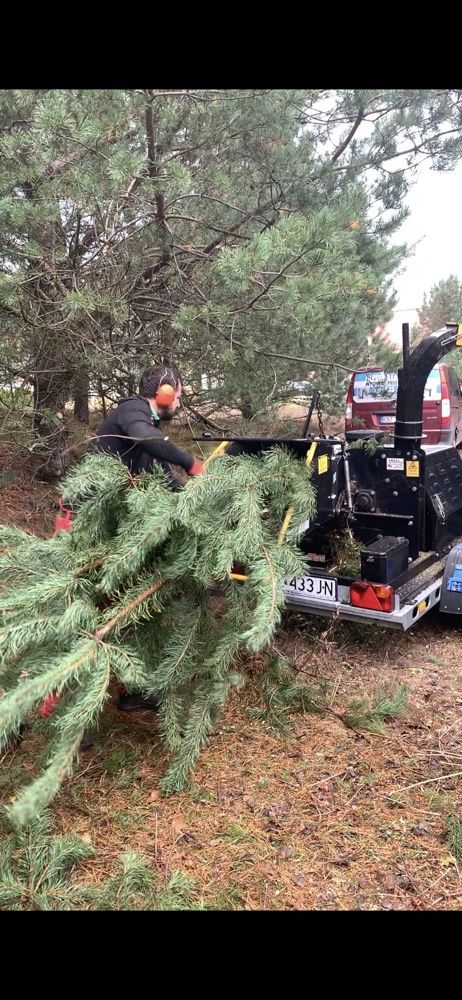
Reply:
x=432 y=411
x=374 y=402
x=374 y=399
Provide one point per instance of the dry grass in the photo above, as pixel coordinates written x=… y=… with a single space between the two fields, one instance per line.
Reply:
x=327 y=819
x=23 y=500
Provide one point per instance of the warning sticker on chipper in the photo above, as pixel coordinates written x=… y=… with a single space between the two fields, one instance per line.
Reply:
x=323 y=464
x=412 y=468
x=395 y=464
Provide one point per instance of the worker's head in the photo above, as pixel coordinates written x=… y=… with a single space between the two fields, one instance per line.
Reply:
x=155 y=383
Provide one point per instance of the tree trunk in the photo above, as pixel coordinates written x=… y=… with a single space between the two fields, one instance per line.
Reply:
x=101 y=395
x=81 y=397
x=166 y=344
x=247 y=408
x=51 y=391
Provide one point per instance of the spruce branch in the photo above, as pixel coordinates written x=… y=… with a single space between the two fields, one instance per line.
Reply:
x=125 y=595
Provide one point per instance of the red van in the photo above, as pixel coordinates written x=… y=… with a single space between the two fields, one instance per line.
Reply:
x=371 y=404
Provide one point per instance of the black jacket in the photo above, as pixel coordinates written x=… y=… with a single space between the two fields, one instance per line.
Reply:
x=128 y=431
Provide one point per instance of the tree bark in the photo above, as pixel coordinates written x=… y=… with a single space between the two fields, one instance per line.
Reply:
x=51 y=392
x=247 y=408
x=81 y=397
x=102 y=398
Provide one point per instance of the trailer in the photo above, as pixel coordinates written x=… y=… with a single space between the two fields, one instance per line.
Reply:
x=402 y=504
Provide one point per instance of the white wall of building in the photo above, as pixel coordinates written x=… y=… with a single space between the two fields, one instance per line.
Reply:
x=393 y=327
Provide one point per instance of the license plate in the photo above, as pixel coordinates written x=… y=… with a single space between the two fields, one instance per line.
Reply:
x=317 y=587
x=387 y=418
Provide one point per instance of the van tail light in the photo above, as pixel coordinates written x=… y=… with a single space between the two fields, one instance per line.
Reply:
x=445 y=404
x=373 y=596
x=349 y=404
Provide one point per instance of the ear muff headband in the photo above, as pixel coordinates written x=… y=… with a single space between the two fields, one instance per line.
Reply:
x=166 y=393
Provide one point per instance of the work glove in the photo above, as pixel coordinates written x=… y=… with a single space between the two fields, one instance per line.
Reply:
x=196 y=468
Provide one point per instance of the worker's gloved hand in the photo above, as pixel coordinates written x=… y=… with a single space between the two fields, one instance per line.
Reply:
x=196 y=468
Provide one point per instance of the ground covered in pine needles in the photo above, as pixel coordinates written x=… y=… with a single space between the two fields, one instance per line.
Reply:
x=326 y=819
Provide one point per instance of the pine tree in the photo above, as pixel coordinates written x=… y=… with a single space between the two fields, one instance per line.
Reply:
x=126 y=594
x=202 y=227
x=443 y=305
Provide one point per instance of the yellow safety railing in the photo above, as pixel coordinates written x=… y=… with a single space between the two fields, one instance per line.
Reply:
x=216 y=452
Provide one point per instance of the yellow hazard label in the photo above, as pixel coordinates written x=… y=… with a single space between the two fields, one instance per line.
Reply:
x=459 y=336
x=323 y=463
x=412 y=468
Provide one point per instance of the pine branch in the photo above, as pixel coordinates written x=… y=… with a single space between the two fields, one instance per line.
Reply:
x=370 y=714
x=455 y=837
x=130 y=600
x=346 y=142
x=127 y=610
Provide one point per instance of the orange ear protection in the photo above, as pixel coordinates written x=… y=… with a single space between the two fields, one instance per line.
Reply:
x=166 y=393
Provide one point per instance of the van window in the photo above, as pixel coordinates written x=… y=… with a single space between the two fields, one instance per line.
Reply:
x=371 y=386
x=454 y=386
x=381 y=386
x=433 y=385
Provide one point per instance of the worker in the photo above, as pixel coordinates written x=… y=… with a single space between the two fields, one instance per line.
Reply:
x=131 y=431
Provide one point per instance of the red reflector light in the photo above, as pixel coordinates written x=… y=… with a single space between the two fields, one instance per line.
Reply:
x=373 y=596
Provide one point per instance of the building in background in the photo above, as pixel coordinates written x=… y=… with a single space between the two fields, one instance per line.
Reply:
x=391 y=331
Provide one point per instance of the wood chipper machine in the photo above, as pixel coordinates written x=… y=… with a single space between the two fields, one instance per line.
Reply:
x=401 y=503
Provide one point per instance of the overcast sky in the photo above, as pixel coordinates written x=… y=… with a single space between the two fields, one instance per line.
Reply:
x=435 y=219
